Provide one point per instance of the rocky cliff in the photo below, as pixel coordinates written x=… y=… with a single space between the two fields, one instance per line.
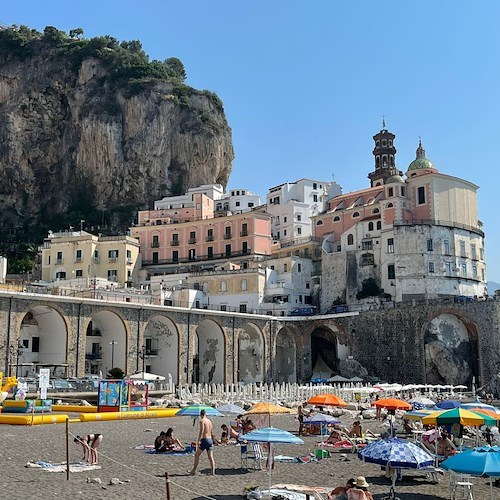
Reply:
x=92 y=125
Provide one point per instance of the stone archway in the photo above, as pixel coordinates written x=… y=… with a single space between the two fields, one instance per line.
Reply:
x=285 y=357
x=106 y=344
x=250 y=354
x=161 y=348
x=324 y=350
x=43 y=343
x=451 y=351
x=210 y=354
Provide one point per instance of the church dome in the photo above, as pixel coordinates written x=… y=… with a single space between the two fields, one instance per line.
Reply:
x=421 y=162
x=395 y=179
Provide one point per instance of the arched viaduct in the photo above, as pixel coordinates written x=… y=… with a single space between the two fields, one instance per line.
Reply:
x=431 y=342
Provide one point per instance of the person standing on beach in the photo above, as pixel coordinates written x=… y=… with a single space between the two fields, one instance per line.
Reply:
x=90 y=443
x=205 y=442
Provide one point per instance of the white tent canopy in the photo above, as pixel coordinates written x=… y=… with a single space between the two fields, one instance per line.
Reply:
x=150 y=377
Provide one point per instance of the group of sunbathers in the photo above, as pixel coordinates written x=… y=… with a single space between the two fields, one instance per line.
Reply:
x=166 y=442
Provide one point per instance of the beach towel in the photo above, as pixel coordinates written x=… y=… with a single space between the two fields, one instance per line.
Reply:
x=174 y=453
x=73 y=467
x=284 y=458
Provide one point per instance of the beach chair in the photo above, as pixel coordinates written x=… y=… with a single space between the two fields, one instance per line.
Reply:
x=461 y=486
x=254 y=453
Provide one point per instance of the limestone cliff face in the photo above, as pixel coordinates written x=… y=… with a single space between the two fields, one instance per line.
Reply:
x=70 y=137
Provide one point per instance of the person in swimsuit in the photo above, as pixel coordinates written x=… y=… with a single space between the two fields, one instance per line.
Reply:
x=90 y=443
x=171 y=441
x=161 y=443
x=205 y=442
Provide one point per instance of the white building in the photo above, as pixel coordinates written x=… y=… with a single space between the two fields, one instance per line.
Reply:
x=237 y=201
x=292 y=205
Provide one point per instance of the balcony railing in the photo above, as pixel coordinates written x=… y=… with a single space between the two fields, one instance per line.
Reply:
x=59 y=261
x=228 y=236
x=112 y=259
x=174 y=243
x=198 y=258
x=244 y=232
x=155 y=244
x=209 y=238
x=151 y=352
x=192 y=241
x=93 y=355
x=78 y=260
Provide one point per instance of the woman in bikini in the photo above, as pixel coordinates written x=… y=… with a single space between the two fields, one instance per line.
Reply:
x=90 y=443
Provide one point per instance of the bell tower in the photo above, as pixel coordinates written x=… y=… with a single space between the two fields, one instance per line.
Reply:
x=385 y=157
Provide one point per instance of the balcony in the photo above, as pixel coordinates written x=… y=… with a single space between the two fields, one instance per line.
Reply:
x=78 y=260
x=209 y=238
x=93 y=355
x=174 y=243
x=192 y=241
x=129 y=261
x=60 y=261
x=244 y=232
x=228 y=236
x=96 y=260
x=151 y=352
x=155 y=244
x=113 y=259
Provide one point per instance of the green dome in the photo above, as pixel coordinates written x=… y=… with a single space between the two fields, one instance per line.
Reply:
x=421 y=162
x=395 y=179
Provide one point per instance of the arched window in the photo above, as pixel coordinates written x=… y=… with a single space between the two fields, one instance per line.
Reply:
x=336 y=218
x=370 y=226
x=350 y=239
x=379 y=225
x=355 y=214
x=389 y=205
x=319 y=223
x=375 y=211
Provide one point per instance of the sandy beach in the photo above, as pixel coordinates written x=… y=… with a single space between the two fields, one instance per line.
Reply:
x=143 y=474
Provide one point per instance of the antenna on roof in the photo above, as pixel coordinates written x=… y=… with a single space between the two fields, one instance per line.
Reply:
x=383 y=122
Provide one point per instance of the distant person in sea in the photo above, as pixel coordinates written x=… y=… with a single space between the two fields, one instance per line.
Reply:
x=90 y=443
x=205 y=443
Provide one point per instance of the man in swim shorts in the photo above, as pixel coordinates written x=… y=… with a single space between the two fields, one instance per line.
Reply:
x=205 y=443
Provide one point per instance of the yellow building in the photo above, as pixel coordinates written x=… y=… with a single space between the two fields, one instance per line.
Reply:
x=77 y=255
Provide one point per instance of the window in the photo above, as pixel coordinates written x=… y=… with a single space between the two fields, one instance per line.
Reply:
x=228 y=250
x=192 y=237
x=78 y=256
x=299 y=217
x=446 y=247
x=227 y=232
x=284 y=220
x=129 y=254
x=473 y=251
x=390 y=245
x=243 y=285
x=250 y=204
x=447 y=268
x=299 y=230
x=481 y=253
x=156 y=241
x=402 y=190
x=462 y=248
x=391 y=272
x=474 y=271
x=175 y=239
x=308 y=285
x=223 y=307
x=175 y=256
x=430 y=247
x=284 y=232
x=391 y=192
x=389 y=205
x=336 y=218
x=237 y=203
x=223 y=286
x=210 y=234
x=464 y=269
x=315 y=186
x=244 y=247
x=112 y=255
x=421 y=195
x=59 y=257
x=35 y=344
x=319 y=223
x=285 y=268
x=431 y=267
x=299 y=268
x=79 y=273
x=379 y=225
x=155 y=257
x=375 y=211
x=367 y=245
x=350 y=239
x=244 y=229
x=192 y=254
x=61 y=275
x=243 y=308
x=367 y=259
x=112 y=274
x=355 y=214
x=370 y=226
x=315 y=197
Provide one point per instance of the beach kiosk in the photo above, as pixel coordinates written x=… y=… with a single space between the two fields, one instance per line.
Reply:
x=122 y=395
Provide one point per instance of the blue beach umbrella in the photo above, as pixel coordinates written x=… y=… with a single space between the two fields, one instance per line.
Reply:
x=483 y=461
x=448 y=404
x=271 y=435
x=478 y=405
x=321 y=419
x=195 y=410
x=231 y=409
x=396 y=453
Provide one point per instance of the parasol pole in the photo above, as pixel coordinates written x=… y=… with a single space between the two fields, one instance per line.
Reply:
x=269 y=465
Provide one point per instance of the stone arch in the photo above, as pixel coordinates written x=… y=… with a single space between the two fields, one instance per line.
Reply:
x=106 y=343
x=326 y=350
x=251 y=354
x=42 y=343
x=161 y=353
x=285 y=361
x=450 y=350
x=209 y=364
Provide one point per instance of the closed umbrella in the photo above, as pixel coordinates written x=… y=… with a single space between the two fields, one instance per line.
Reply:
x=272 y=435
x=396 y=453
x=326 y=400
x=483 y=461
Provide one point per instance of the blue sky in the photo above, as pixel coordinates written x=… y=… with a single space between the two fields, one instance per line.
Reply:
x=305 y=84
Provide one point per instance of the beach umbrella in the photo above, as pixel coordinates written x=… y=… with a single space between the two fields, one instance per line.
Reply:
x=396 y=453
x=483 y=461
x=489 y=413
x=272 y=436
x=266 y=408
x=476 y=405
x=392 y=404
x=321 y=419
x=195 y=410
x=448 y=404
x=421 y=402
x=418 y=414
x=326 y=400
x=231 y=409
x=146 y=376
x=458 y=416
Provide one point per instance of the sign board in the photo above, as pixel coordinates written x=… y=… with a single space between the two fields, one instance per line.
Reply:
x=43 y=393
x=44 y=377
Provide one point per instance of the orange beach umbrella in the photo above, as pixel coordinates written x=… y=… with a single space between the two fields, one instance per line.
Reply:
x=326 y=400
x=392 y=404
